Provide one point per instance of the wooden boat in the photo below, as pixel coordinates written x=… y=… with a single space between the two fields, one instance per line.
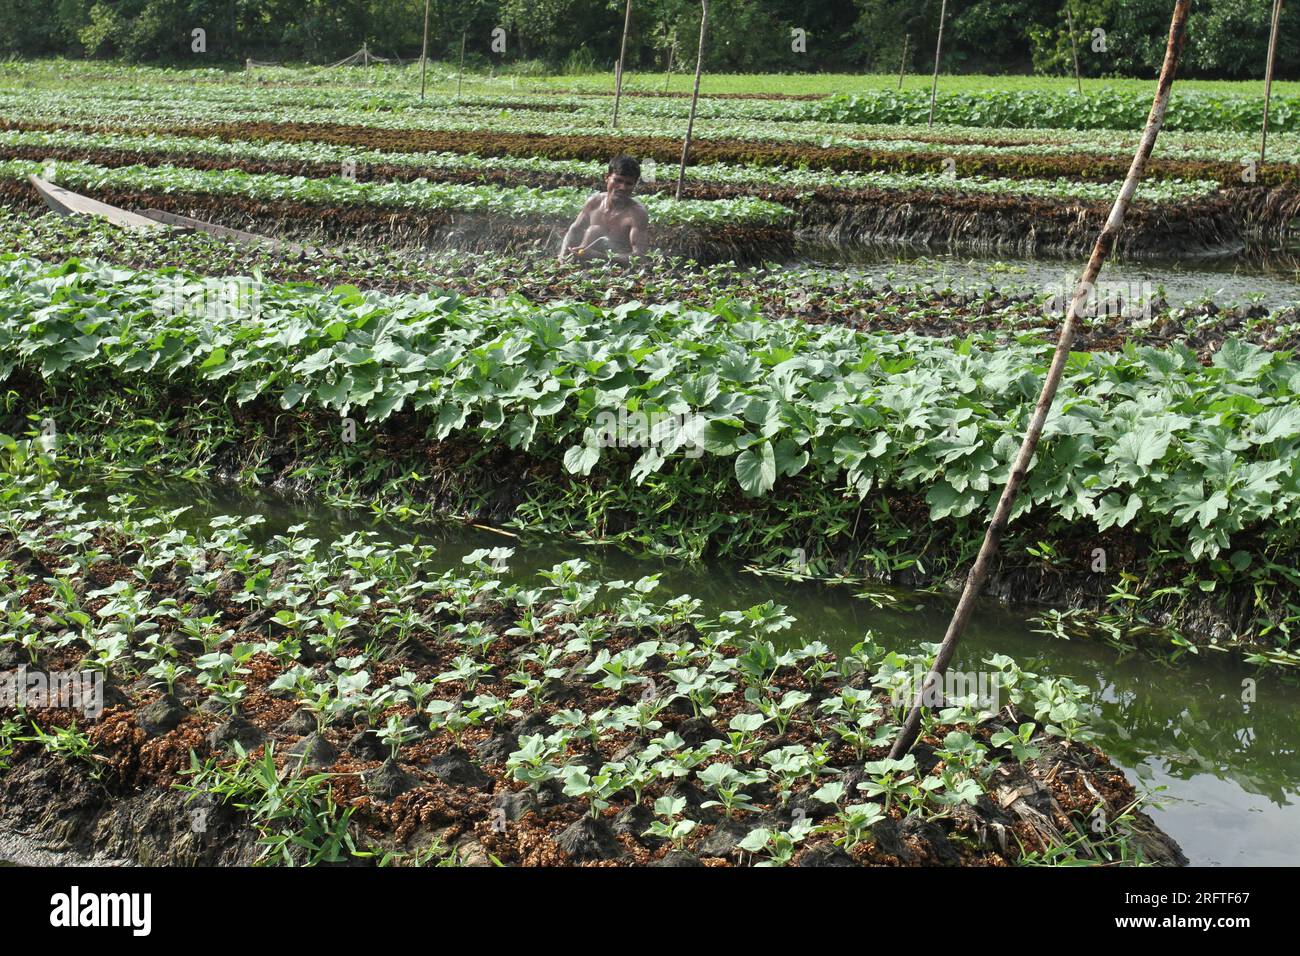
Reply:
x=67 y=203
x=186 y=224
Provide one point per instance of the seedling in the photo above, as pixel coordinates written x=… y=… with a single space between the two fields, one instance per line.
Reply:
x=394 y=734
x=726 y=781
x=669 y=824
x=889 y=778
x=1017 y=741
x=779 y=845
x=597 y=789
x=530 y=764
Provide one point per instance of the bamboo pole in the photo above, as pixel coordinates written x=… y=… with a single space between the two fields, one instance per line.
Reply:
x=695 y=98
x=1268 y=77
x=622 y=58
x=902 y=64
x=938 y=47
x=1074 y=46
x=672 y=51
x=424 y=50
x=1020 y=468
x=460 y=72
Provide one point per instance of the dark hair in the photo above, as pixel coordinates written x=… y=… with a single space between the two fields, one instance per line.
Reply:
x=622 y=165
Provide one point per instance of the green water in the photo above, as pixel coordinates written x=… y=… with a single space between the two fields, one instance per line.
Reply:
x=1230 y=768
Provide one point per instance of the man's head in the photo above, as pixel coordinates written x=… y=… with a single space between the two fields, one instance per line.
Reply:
x=621 y=177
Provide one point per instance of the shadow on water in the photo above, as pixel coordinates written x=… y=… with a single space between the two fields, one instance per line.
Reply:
x=1229 y=766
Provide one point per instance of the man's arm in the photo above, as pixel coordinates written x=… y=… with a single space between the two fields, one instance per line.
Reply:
x=577 y=230
x=639 y=235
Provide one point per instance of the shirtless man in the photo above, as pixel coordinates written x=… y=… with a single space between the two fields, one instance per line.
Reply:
x=612 y=224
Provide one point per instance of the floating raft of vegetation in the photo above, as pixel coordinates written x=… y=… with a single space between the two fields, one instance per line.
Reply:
x=875 y=454
x=304 y=701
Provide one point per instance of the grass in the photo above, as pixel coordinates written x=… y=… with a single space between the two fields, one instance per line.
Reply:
x=59 y=73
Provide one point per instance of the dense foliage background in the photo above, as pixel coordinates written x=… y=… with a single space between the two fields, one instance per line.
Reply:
x=1227 y=37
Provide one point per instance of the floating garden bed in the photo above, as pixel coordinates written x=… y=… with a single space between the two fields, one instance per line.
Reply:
x=318 y=702
x=867 y=453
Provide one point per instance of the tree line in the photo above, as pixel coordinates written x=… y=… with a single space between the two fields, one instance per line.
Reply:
x=1227 y=38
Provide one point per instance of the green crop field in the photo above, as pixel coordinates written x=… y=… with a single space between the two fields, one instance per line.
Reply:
x=428 y=469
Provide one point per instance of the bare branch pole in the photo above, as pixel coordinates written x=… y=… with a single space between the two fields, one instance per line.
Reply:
x=938 y=48
x=902 y=65
x=1074 y=46
x=424 y=50
x=672 y=51
x=1020 y=468
x=622 y=58
x=1268 y=77
x=460 y=72
x=695 y=98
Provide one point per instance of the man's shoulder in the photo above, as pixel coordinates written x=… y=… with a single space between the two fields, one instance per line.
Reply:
x=640 y=211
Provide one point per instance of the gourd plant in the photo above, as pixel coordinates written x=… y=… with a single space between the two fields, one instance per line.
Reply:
x=726 y=782
x=598 y=788
x=669 y=824
x=779 y=845
x=531 y=763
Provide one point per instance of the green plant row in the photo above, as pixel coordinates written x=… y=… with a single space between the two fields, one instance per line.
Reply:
x=519 y=201
x=115 y=110
x=175 y=148
x=1097 y=109
x=1200 y=460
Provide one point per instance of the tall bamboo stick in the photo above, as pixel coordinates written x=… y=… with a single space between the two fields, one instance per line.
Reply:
x=460 y=71
x=1020 y=468
x=695 y=99
x=938 y=48
x=424 y=50
x=622 y=59
x=902 y=64
x=1074 y=46
x=1268 y=77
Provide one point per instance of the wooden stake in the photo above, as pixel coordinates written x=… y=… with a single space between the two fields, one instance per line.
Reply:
x=695 y=98
x=902 y=65
x=424 y=50
x=460 y=72
x=1069 y=19
x=1268 y=77
x=1020 y=468
x=938 y=47
x=672 y=51
x=622 y=58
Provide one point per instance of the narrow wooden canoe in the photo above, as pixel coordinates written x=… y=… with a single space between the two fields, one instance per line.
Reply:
x=67 y=203
x=186 y=224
